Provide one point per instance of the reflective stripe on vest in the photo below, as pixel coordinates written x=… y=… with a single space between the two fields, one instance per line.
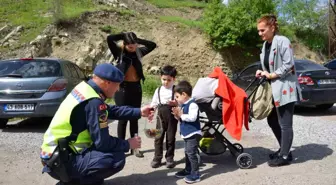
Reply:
x=60 y=126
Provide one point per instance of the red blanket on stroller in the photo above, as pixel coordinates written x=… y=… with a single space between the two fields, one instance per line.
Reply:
x=235 y=108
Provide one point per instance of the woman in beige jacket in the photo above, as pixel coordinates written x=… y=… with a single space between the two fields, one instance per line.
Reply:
x=278 y=66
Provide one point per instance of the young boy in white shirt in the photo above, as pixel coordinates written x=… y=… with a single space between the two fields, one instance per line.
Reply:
x=163 y=101
x=190 y=128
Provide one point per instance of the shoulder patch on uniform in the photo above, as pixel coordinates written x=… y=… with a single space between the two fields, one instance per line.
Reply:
x=103 y=120
x=102 y=107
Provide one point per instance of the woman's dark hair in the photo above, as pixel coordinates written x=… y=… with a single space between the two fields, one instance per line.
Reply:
x=169 y=71
x=130 y=38
x=183 y=87
x=270 y=20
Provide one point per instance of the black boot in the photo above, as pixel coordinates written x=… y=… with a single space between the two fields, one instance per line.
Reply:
x=278 y=161
x=101 y=182
x=276 y=154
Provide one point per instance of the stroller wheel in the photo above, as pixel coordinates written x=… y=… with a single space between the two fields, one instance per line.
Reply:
x=244 y=161
x=239 y=147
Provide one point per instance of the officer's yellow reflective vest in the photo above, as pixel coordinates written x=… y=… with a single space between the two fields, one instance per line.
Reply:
x=60 y=126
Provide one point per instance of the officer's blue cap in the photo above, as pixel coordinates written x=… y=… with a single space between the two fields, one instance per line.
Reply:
x=109 y=72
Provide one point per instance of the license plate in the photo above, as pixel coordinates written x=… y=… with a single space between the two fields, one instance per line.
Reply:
x=19 y=107
x=327 y=81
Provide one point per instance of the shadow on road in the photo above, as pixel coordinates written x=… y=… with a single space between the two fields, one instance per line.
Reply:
x=313 y=112
x=222 y=164
x=259 y=155
x=311 y=151
x=39 y=125
x=301 y=154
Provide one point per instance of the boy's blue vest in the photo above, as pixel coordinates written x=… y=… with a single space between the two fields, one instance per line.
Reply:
x=187 y=128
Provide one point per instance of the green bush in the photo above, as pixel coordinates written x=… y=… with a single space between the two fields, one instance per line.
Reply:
x=288 y=31
x=235 y=24
x=151 y=83
x=316 y=40
x=148 y=88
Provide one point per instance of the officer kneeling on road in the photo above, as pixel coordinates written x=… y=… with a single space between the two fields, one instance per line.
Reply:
x=77 y=147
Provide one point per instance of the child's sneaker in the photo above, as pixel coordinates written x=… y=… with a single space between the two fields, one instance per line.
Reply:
x=182 y=174
x=192 y=178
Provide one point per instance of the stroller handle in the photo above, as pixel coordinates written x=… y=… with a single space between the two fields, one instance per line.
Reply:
x=262 y=80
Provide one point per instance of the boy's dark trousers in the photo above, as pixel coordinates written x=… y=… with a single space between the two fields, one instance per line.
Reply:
x=169 y=127
x=190 y=149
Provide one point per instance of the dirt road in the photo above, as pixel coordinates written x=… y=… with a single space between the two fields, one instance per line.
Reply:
x=313 y=150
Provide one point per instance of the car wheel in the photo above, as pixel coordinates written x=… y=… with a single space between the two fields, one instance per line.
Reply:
x=3 y=123
x=325 y=106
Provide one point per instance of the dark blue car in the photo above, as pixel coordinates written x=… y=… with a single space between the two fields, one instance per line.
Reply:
x=317 y=83
x=331 y=64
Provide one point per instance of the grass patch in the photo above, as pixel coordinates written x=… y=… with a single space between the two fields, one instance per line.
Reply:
x=31 y=14
x=110 y=29
x=120 y=11
x=125 y=12
x=186 y=22
x=35 y=15
x=74 y=8
x=177 y=3
x=106 y=28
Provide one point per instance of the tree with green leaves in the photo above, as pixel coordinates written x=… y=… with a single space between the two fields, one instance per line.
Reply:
x=234 y=24
x=308 y=20
x=303 y=13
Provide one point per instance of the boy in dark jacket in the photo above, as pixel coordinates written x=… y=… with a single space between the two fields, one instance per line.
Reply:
x=190 y=128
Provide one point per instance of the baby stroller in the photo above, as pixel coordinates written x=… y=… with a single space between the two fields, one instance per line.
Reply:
x=210 y=104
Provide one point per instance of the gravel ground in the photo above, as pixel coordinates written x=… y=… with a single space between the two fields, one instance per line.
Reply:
x=313 y=150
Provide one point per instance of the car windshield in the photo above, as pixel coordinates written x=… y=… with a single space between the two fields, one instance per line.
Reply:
x=30 y=68
x=305 y=65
